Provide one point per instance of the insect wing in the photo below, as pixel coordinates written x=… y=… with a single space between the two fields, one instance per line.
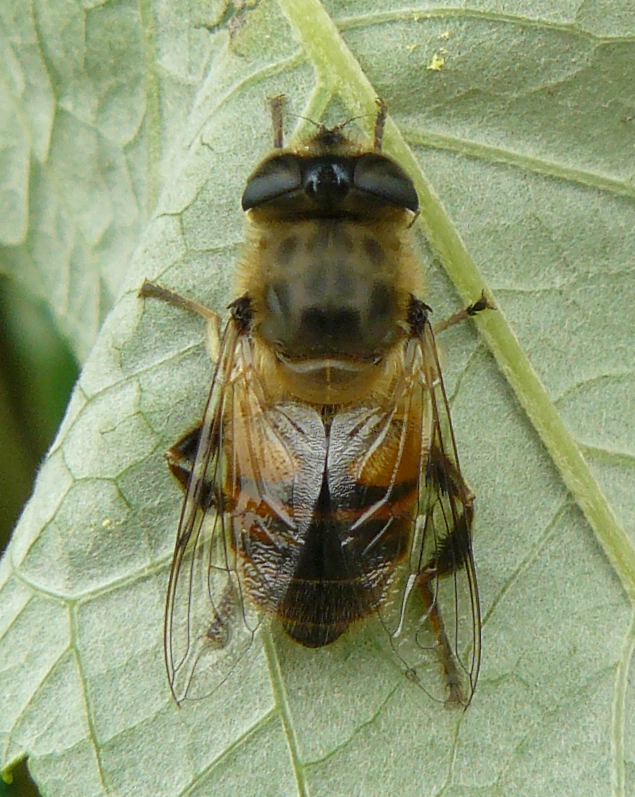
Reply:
x=394 y=470
x=250 y=500
x=442 y=547
x=274 y=478
x=206 y=625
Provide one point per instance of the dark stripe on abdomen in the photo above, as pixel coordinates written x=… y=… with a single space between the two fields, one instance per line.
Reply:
x=340 y=577
x=336 y=573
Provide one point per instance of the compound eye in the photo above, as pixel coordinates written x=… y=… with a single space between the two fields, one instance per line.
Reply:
x=383 y=178
x=272 y=179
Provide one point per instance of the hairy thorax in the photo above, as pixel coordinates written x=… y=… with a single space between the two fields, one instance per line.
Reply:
x=331 y=302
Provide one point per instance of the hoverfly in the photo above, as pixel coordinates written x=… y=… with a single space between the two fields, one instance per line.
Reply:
x=323 y=486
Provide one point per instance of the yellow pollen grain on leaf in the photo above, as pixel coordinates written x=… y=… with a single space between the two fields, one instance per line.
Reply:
x=437 y=63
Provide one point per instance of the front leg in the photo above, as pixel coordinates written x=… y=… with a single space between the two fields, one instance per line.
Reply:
x=150 y=290
x=483 y=303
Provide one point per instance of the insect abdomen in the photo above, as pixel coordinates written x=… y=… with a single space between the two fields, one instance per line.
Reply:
x=316 y=611
x=341 y=569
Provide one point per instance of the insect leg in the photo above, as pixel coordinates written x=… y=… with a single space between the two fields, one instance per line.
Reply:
x=149 y=290
x=181 y=459
x=453 y=510
x=380 y=124
x=478 y=306
x=277 y=121
x=444 y=649
x=182 y=454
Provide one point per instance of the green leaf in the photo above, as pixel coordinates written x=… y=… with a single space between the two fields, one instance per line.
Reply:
x=129 y=131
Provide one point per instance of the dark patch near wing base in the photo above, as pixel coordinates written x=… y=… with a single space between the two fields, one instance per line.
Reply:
x=417 y=316
x=242 y=314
